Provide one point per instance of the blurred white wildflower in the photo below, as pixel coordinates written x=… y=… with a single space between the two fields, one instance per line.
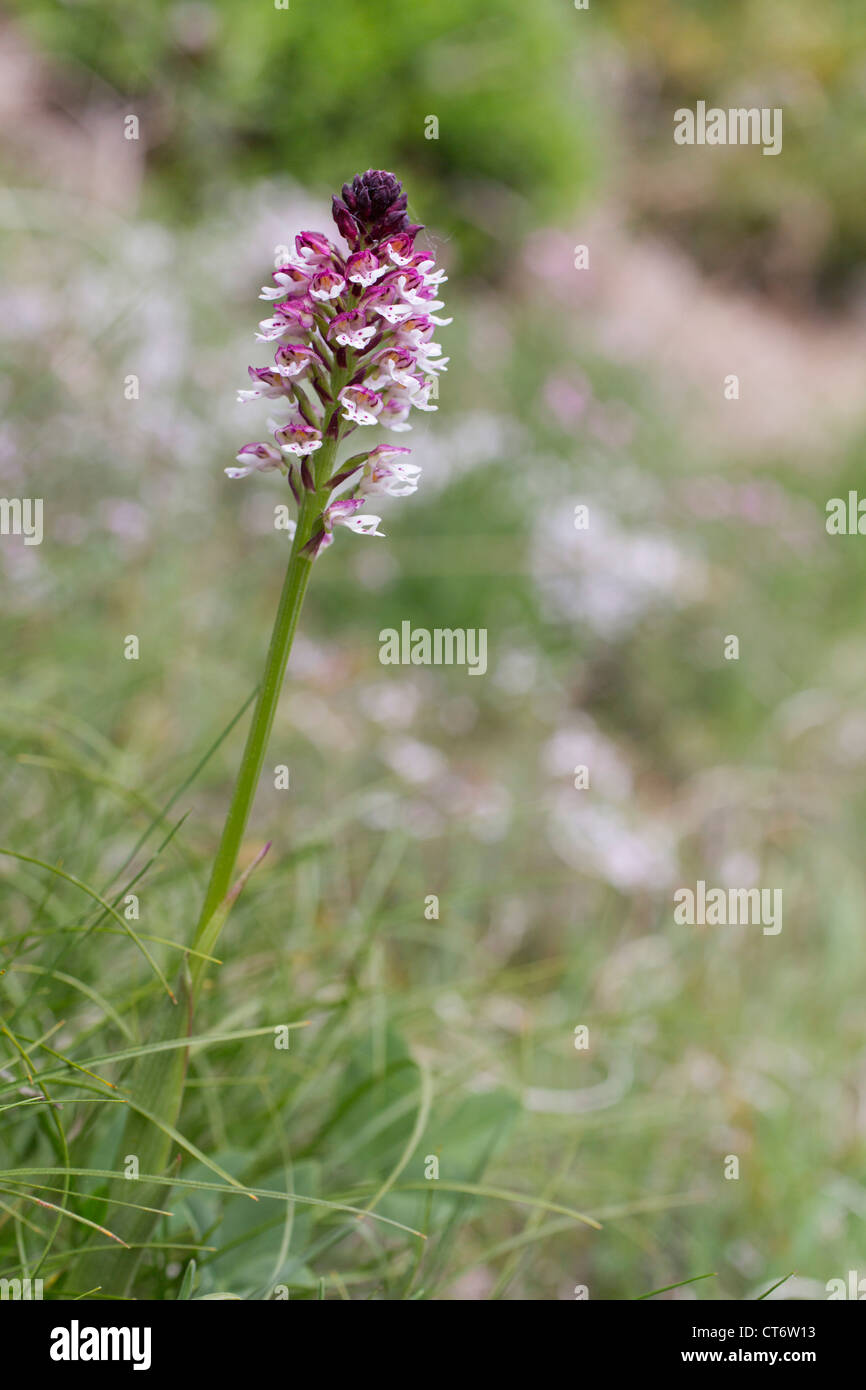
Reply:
x=582 y=743
x=413 y=761
x=611 y=842
x=516 y=671
x=608 y=577
x=393 y=703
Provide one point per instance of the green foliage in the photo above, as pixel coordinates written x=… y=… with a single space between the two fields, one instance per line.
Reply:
x=230 y=91
x=452 y=1036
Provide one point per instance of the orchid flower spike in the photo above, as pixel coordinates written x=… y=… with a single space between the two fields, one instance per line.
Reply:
x=351 y=331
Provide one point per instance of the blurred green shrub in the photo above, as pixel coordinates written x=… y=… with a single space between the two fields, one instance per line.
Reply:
x=793 y=225
x=230 y=91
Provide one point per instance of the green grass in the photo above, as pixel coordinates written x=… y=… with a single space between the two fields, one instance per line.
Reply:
x=412 y=1037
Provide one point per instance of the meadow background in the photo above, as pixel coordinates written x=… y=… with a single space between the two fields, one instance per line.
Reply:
x=451 y=1037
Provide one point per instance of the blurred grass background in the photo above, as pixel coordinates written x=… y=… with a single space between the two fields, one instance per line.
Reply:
x=451 y=1037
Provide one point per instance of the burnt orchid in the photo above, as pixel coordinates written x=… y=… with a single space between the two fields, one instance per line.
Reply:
x=352 y=332
x=352 y=337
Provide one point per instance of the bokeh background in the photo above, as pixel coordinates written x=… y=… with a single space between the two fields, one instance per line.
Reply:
x=605 y=386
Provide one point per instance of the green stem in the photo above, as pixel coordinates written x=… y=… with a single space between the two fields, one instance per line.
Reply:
x=291 y=600
x=222 y=873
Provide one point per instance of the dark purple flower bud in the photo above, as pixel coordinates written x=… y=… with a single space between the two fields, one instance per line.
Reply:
x=373 y=206
x=346 y=224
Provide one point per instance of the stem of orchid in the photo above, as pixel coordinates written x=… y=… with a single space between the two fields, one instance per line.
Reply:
x=222 y=873
x=211 y=920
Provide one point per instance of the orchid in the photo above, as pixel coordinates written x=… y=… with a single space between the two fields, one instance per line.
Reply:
x=353 y=335
x=384 y=471
x=342 y=511
x=351 y=332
